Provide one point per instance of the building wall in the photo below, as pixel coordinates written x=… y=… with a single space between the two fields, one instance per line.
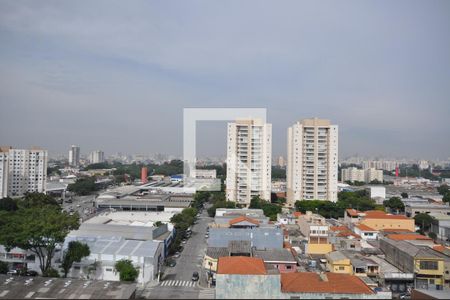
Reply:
x=248 y=286
x=390 y=224
x=312 y=161
x=249 y=161
x=318 y=248
x=210 y=263
x=342 y=266
x=22 y=171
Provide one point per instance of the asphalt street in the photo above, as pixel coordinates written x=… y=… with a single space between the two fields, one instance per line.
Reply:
x=177 y=282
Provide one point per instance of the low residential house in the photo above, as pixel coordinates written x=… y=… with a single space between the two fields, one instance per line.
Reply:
x=286 y=219
x=352 y=216
x=243 y=222
x=18 y=259
x=307 y=285
x=249 y=278
x=281 y=259
x=259 y=238
x=337 y=262
x=365 y=232
x=379 y=220
x=241 y=277
x=315 y=228
x=423 y=261
x=362 y=265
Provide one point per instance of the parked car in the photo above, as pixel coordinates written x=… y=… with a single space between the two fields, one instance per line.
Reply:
x=195 y=276
x=31 y=273
x=184 y=241
x=13 y=272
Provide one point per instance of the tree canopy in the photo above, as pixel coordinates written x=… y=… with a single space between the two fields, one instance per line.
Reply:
x=127 y=271
x=83 y=186
x=37 y=225
x=424 y=221
x=75 y=252
x=395 y=204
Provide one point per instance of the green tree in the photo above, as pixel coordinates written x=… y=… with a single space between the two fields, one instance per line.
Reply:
x=256 y=202
x=394 y=204
x=446 y=198
x=8 y=204
x=157 y=224
x=432 y=235
x=83 y=186
x=75 y=252
x=3 y=267
x=37 y=229
x=404 y=195
x=51 y=272
x=423 y=221
x=443 y=189
x=127 y=271
x=37 y=199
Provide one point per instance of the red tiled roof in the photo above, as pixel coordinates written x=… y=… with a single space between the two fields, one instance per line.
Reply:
x=242 y=219
x=395 y=230
x=408 y=237
x=308 y=282
x=377 y=214
x=363 y=227
x=339 y=228
x=297 y=214
x=242 y=265
x=352 y=212
x=439 y=248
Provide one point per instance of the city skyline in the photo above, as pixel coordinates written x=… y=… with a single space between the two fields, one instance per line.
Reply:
x=104 y=80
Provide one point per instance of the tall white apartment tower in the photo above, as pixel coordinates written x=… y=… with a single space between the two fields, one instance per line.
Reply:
x=22 y=171
x=74 y=156
x=312 y=163
x=249 y=161
x=96 y=157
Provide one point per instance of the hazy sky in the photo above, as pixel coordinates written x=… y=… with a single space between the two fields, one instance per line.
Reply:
x=116 y=75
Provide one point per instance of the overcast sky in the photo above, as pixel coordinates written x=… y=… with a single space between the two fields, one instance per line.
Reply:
x=116 y=75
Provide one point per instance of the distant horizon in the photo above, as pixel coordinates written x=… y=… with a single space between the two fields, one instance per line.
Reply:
x=117 y=75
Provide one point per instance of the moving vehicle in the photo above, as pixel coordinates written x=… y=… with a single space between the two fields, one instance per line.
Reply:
x=195 y=276
x=171 y=263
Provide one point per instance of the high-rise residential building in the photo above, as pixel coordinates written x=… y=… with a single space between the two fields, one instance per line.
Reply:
x=74 y=156
x=388 y=165
x=22 y=171
x=249 y=161
x=373 y=174
x=368 y=175
x=312 y=161
x=96 y=157
x=352 y=174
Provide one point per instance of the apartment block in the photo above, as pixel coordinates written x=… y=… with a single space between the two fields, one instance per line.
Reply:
x=96 y=157
x=312 y=162
x=249 y=157
x=363 y=175
x=315 y=228
x=22 y=171
x=74 y=156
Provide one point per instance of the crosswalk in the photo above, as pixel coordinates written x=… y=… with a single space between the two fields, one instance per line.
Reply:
x=183 y=283
x=207 y=294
